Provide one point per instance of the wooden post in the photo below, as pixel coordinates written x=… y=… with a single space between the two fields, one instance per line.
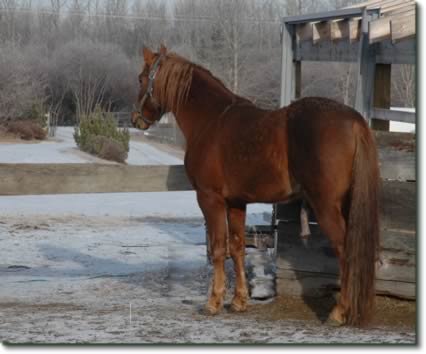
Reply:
x=298 y=79
x=366 y=66
x=382 y=94
x=288 y=65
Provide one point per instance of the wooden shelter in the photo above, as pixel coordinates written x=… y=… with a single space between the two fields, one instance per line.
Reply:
x=374 y=34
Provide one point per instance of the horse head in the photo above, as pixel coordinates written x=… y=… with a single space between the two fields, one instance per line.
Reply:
x=149 y=110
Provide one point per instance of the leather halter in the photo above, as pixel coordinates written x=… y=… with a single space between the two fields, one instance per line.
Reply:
x=149 y=90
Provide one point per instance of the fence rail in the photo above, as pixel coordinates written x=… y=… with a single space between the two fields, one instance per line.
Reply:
x=394 y=115
x=33 y=179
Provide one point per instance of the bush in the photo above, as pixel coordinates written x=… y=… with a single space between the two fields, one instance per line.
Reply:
x=26 y=129
x=99 y=135
x=111 y=149
x=36 y=114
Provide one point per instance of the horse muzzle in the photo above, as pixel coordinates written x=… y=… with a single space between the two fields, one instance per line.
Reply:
x=137 y=121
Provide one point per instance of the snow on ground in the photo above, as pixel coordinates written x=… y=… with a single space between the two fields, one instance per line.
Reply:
x=120 y=279
x=176 y=205
x=62 y=149
x=125 y=268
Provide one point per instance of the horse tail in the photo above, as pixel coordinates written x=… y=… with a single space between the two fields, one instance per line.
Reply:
x=362 y=237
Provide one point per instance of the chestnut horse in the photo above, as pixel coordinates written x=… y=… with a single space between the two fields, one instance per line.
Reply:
x=237 y=153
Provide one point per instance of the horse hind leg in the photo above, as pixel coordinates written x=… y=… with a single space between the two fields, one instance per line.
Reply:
x=236 y=224
x=333 y=224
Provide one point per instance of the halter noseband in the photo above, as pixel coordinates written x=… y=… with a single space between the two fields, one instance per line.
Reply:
x=149 y=90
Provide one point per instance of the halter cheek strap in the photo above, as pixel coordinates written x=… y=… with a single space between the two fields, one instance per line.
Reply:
x=149 y=90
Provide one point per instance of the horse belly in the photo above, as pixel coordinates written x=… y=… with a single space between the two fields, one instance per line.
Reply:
x=262 y=184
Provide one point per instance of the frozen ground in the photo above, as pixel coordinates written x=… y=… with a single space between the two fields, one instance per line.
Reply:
x=127 y=268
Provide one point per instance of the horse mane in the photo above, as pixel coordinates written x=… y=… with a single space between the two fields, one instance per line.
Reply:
x=174 y=80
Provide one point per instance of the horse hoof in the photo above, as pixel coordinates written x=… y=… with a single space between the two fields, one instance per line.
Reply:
x=336 y=319
x=211 y=310
x=238 y=306
x=334 y=323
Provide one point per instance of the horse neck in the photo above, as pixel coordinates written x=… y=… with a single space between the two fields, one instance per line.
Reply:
x=207 y=100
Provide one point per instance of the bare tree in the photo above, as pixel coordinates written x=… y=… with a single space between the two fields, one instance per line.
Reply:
x=22 y=86
x=403 y=85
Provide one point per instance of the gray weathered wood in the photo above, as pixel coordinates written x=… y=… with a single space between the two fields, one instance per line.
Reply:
x=321 y=32
x=287 y=66
x=403 y=27
x=324 y=16
x=301 y=283
x=365 y=70
x=27 y=179
x=354 y=30
x=399 y=116
x=397 y=155
x=309 y=267
x=380 y=30
x=304 y=32
x=403 y=52
x=339 y=30
x=398 y=207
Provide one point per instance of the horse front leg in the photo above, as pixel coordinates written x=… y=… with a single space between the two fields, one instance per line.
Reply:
x=214 y=210
x=236 y=225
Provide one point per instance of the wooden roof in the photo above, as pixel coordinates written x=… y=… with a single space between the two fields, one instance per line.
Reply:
x=396 y=22
x=397 y=19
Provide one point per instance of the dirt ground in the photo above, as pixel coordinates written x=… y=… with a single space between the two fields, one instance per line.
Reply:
x=120 y=280
x=390 y=312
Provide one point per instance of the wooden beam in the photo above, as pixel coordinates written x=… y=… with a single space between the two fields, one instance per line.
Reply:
x=379 y=3
x=395 y=5
x=320 y=31
x=323 y=16
x=297 y=79
x=287 y=65
x=397 y=9
x=404 y=27
x=304 y=32
x=379 y=30
x=365 y=70
x=397 y=116
x=29 y=179
x=399 y=26
x=339 y=30
x=354 y=29
x=382 y=94
x=402 y=52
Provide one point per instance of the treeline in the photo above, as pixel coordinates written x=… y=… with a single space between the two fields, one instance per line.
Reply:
x=68 y=56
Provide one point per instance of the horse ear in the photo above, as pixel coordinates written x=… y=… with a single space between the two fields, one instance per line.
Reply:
x=163 y=49
x=148 y=55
